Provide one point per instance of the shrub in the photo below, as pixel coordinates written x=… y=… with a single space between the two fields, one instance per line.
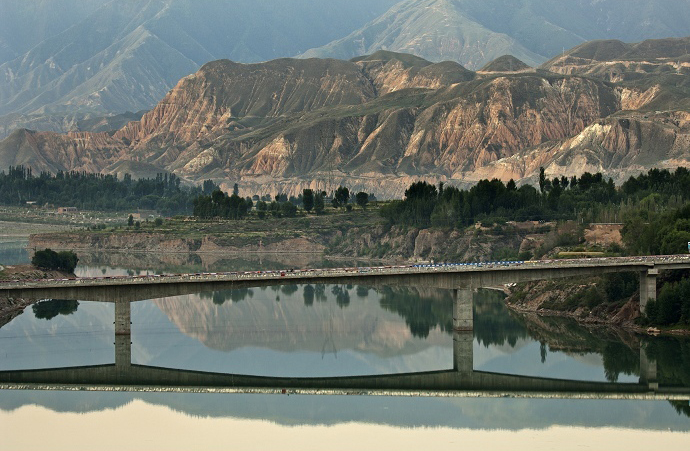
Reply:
x=51 y=260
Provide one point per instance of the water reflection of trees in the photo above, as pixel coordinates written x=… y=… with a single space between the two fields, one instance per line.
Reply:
x=672 y=355
x=421 y=311
x=494 y=324
x=682 y=407
x=51 y=308
x=220 y=297
x=342 y=296
x=619 y=350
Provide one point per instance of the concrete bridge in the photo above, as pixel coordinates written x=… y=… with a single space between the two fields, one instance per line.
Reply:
x=462 y=278
x=461 y=380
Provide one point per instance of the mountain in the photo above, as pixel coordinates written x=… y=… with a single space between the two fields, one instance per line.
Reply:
x=473 y=32
x=26 y=23
x=64 y=61
x=379 y=122
x=124 y=55
x=505 y=63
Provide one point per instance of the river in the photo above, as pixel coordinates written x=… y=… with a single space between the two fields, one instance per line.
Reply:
x=324 y=331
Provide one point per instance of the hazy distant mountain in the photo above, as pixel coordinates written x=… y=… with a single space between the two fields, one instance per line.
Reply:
x=65 y=56
x=474 y=32
x=61 y=60
x=26 y=23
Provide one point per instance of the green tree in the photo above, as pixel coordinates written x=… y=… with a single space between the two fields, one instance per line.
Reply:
x=308 y=199
x=49 y=259
x=341 y=196
x=288 y=209
x=362 y=199
x=319 y=206
x=130 y=221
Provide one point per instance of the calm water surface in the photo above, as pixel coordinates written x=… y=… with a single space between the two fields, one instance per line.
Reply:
x=327 y=330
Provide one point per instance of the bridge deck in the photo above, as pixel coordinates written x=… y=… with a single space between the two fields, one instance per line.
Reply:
x=531 y=270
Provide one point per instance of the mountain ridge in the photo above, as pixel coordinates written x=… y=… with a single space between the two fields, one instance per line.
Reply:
x=379 y=122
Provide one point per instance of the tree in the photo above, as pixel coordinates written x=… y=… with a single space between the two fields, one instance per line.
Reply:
x=208 y=187
x=261 y=208
x=235 y=189
x=362 y=199
x=308 y=199
x=130 y=221
x=288 y=209
x=49 y=259
x=341 y=196
x=319 y=204
x=542 y=179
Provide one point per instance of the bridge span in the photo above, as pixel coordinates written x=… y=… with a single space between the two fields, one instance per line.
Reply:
x=463 y=278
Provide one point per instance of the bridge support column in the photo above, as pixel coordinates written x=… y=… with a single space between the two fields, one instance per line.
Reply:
x=463 y=318
x=648 y=370
x=463 y=357
x=647 y=287
x=123 y=315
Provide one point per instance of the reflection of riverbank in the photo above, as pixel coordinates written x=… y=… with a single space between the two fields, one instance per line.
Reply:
x=94 y=263
x=25 y=229
x=321 y=318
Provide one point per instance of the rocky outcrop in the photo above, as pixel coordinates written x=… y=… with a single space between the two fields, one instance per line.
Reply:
x=558 y=298
x=399 y=244
x=375 y=124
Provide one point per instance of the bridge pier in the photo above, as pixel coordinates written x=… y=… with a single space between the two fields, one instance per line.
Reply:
x=463 y=356
x=648 y=370
x=647 y=287
x=123 y=318
x=463 y=315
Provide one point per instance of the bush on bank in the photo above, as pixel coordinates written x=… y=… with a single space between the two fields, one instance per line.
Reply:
x=49 y=259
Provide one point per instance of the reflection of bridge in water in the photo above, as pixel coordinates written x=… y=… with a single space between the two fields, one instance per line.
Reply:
x=461 y=380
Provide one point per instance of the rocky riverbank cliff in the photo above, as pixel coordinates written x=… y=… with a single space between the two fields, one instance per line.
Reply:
x=377 y=242
x=578 y=299
x=381 y=122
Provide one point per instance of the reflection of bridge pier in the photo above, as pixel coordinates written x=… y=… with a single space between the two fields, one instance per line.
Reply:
x=648 y=369
x=123 y=351
x=463 y=356
x=123 y=334
x=123 y=317
x=463 y=315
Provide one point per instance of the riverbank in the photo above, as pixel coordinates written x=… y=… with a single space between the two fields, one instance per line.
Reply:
x=351 y=235
x=577 y=299
x=10 y=308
